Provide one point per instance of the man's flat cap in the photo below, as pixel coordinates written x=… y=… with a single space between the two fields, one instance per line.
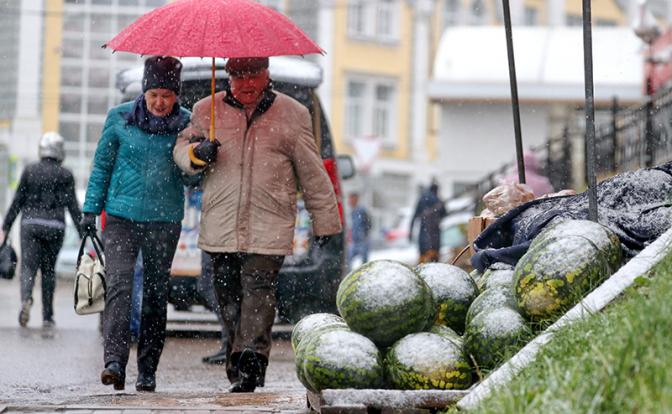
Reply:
x=237 y=66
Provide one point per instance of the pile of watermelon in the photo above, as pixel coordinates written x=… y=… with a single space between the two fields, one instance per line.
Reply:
x=437 y=327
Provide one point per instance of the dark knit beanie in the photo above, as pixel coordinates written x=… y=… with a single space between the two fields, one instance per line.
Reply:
x=162 y=72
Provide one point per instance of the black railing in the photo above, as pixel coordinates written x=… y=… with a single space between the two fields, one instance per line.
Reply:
x=621 y=145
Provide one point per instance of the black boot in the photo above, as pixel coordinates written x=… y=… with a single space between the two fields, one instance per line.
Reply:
x=146 y=382
x=113 y=374
x=251 y=371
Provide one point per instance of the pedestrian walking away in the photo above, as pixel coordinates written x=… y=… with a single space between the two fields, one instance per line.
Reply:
x=134 y=159
x=45 y=190
x=265 y=150
x=359 y=230
x=429 y=210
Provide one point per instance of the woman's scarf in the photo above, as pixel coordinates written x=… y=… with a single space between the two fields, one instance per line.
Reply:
x=145 y=120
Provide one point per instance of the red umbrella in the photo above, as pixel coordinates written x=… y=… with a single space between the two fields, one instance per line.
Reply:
x=213 y=28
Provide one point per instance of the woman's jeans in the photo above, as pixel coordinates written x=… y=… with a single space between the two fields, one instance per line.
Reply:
x=123 y=240
x=39 y=249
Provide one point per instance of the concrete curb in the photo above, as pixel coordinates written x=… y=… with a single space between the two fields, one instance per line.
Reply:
x=594 y=302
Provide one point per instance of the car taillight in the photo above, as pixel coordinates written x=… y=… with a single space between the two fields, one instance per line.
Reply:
x=332 y=171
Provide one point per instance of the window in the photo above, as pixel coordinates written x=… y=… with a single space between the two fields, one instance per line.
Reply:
x=101 y=23
x=71 y=103
x=72 y=48
x=71 y=76
x=451 y=12
x=99 y=77
x=377 y=20
x=97 y=103
x=574 y=20
x=355 y=108
x=531 y=16
x=370 y=106
x=356 y=17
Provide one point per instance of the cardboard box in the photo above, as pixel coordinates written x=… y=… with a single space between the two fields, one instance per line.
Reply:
x=475 y=226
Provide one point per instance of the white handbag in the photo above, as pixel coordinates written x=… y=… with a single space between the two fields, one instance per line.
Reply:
x=90 y=279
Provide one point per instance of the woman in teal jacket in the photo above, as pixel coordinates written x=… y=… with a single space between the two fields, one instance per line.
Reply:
x=135 y=180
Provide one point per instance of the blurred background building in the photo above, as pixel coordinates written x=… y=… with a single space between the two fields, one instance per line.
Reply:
x=395 y=87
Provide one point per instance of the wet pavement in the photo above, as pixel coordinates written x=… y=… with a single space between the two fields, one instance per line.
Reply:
x=58 y=369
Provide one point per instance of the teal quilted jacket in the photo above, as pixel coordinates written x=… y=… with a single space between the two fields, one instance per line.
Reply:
x=134 y=175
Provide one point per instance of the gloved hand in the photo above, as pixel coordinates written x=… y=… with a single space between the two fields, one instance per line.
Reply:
x=87 y=224
x=207 y=150
x=322 y=241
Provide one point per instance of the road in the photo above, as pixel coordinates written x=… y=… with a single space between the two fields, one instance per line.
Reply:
x=60 y=367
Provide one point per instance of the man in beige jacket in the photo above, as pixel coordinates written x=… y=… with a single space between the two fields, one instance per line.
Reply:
x=264 y=153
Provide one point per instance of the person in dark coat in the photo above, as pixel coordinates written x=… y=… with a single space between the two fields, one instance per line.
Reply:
x=136 y=181
x=45 y=190
x=359 y=230
x=429 y=210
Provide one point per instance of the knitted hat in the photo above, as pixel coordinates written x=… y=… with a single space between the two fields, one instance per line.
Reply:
x=162 y=72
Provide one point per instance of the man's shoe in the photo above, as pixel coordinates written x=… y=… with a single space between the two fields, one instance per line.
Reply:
x=146 y=382
x=113 y=374
x=24 y=315
x=251 y=370
x=48 y=323
x=217 y=359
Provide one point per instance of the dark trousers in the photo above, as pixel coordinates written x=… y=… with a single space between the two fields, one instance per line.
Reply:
x=39 y=249
x=206 y=289
x=245 y=285
x=123 y=240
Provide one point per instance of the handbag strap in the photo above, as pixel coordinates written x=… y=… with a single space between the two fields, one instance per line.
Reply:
x=97 y=245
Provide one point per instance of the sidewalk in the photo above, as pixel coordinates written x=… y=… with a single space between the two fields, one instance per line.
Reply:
x=57 y=370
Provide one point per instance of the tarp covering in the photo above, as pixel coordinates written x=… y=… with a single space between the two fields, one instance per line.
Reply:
x=636 y=205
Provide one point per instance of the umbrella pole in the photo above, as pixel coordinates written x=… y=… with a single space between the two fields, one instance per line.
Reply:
x=212 y=102
x=590 y=111
x=514 y=91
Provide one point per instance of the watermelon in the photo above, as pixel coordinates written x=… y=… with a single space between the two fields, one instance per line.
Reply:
x=453 y=291
x=306 y=337
x=385 y=300
x=310 y=323
x=446 y=332
x=339 y=359
x=427 y=360
x=498 y=272
x=605 y=240
x=493 y=298
x=491 y=335
x=556 y=274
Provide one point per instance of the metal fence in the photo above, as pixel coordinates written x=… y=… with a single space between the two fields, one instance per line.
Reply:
x=621 y=145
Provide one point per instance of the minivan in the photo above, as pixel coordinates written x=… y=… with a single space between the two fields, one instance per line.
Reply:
x=309 y=278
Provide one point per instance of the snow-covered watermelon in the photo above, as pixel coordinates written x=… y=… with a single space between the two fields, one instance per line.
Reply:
x=453 y=291
x=385 y=300
x=490 y=299
x=491 y=335
x=499 y=277
x=312 y=322
x=306 y=338
x=605 y=240
x=427 y=360
x=340 y=359
x=556 y=273
x=446 y=332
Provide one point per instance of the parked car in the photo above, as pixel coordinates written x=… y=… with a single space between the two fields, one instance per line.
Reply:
x=309 y=279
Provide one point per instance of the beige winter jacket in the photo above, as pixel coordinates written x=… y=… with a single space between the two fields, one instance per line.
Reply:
x=249 y=193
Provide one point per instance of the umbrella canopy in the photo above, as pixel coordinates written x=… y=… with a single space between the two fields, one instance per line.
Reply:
x=214 y=28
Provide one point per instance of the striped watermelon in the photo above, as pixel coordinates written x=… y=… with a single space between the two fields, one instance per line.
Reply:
x=303 y=344
x=339 y=359
x=490 y=336
x=556 y=273
x=385 y=300
x=446 y=332
x=605 y=240
x=427 y=360
x=453 y=291
x=493 y=298
x=312 y=322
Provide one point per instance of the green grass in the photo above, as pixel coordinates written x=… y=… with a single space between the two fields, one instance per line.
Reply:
x=616 y=361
